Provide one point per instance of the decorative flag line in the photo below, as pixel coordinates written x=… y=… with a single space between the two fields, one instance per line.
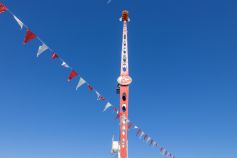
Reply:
x=99 y=96
x=29 y=36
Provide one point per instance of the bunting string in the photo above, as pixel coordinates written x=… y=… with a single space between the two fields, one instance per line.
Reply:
x=43 y=48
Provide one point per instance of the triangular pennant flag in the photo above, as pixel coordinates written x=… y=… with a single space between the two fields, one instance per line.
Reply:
x=157 y=145
x=162 y=150
x=80 y=83
x=72 y=75
x=170 y=155
x=90 y=87
x=148 y=139
x=108 y=105
x=142 y=134
x=20 y=23
x=29 y=36
x=130 y=125
x=151 y=142
x=117 y=116
x=99 y=96
x=64 y=64
x=139 y=132
x=54 y=55
x=145 y=137
x=154 y=143
x=115 y=110
x=3 y=8
x=135 y=127
x=42 y=49
x=166 y=153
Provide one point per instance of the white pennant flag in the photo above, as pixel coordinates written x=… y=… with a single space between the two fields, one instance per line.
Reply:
x=141 y=135
x=135 y=127
x=108 y=105
x=98 y=95
x=80 y=83
x=65 y=65
x=20 y=23
x=148 y=139
x=42 y=49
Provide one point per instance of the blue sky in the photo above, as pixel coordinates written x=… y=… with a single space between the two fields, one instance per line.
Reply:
x=183 y=64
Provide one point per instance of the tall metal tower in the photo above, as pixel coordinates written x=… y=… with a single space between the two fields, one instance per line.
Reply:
x=124 y=80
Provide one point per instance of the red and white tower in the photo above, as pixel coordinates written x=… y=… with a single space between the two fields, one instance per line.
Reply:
x=124 y=81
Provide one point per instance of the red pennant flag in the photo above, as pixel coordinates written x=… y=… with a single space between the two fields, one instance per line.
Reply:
x=29 y=36
x=72 y=75
x=146 y=137
x=54 y=56
x=90 y=87
x=3 y=8
x=115 y=110
x=151 y=142
x=130 y=125
x=117 y=116
x=162 y=150
x=101 y=98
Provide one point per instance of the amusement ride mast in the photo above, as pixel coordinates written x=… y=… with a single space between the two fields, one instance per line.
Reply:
x=124 y=81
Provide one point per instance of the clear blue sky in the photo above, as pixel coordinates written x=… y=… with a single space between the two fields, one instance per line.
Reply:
x=183 y=61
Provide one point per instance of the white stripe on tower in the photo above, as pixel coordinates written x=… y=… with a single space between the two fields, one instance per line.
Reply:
x=124 y=52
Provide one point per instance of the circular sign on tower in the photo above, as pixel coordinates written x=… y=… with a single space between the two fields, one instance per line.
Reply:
x=124 y=80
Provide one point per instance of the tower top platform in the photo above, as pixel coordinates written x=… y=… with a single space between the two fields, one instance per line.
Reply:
x=125 y=16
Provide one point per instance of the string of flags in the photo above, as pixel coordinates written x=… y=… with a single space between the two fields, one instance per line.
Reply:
x=43 y=48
